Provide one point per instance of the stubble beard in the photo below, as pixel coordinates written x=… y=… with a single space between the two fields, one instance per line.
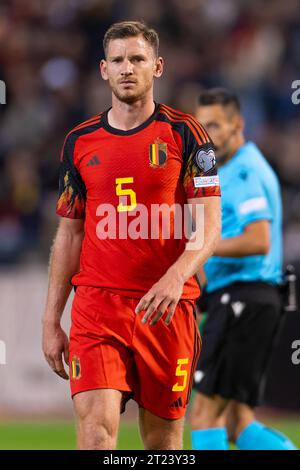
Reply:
x=131 y=98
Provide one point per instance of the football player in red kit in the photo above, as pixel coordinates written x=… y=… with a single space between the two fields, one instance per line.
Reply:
x=123 y=175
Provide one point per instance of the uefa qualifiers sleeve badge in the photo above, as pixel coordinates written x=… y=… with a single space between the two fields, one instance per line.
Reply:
x=205 y=161
x=158 y=154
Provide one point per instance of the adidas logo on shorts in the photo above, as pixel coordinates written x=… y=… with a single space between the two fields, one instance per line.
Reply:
x=177 y=403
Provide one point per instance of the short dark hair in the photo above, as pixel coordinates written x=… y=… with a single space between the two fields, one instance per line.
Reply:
x=220 y=96
x=126 y=29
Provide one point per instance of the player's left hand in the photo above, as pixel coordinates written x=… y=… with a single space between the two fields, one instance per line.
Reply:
x=164 y=294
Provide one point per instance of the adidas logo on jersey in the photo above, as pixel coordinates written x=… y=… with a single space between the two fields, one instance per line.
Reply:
x=93 y=161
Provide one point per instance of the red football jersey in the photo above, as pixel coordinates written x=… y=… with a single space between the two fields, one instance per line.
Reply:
x=117 y=181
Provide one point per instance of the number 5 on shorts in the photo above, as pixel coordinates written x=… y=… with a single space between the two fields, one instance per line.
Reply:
x=181 y=373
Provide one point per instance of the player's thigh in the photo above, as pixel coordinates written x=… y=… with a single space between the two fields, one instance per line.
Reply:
x=98 y=407
x=165 y=357
x=160 y=433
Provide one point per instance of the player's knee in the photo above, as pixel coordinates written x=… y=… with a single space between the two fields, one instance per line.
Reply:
x=94 y=435
x=95 y=431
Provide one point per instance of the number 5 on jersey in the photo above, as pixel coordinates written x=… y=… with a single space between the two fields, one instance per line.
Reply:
x=120 y=191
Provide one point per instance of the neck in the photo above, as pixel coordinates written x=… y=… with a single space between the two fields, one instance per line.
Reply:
x=126 y=116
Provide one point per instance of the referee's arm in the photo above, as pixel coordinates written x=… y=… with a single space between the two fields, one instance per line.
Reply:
x=255 y=240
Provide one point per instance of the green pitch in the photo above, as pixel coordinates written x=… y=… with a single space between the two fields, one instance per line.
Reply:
x=61 y=435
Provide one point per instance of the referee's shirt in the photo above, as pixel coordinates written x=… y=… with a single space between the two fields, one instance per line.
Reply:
x=250 y=192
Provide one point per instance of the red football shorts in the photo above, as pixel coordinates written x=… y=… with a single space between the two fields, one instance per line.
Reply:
x=111 y=348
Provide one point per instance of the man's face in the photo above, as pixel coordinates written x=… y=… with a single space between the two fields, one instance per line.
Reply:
x=223 y=125
x=130 y=68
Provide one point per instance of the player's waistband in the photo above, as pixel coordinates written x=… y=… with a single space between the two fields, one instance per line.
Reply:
x=134 y=294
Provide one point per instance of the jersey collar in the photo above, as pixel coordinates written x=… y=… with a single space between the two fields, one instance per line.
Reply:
x=139 y=128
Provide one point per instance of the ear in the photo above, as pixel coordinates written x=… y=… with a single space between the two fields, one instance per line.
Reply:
x=103 y=69
x=240 y=123
x=159 y=67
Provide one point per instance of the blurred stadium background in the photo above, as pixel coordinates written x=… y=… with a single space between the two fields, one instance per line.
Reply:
x=49 y=54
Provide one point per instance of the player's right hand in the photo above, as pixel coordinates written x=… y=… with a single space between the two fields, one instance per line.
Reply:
x=56 y=346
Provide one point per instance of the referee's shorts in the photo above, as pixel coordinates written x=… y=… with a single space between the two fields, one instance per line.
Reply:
x=237 y=341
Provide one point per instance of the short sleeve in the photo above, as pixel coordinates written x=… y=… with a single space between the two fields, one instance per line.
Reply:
x=252 y=203
x=72 y=191
x=200 y=177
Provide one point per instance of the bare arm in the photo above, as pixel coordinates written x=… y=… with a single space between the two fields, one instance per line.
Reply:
x=167 y=291
x=195 y=254
x=64 y=262
x=201 y=277
x=255 y=240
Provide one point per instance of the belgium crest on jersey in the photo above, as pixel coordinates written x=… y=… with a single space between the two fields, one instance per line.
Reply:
x=158 y=153
x=76 y=368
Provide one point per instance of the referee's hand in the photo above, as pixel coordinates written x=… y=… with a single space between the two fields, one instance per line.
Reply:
x=164 y=294
x=56 y=346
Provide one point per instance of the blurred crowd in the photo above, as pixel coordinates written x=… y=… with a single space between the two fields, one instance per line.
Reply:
x=49 y=55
